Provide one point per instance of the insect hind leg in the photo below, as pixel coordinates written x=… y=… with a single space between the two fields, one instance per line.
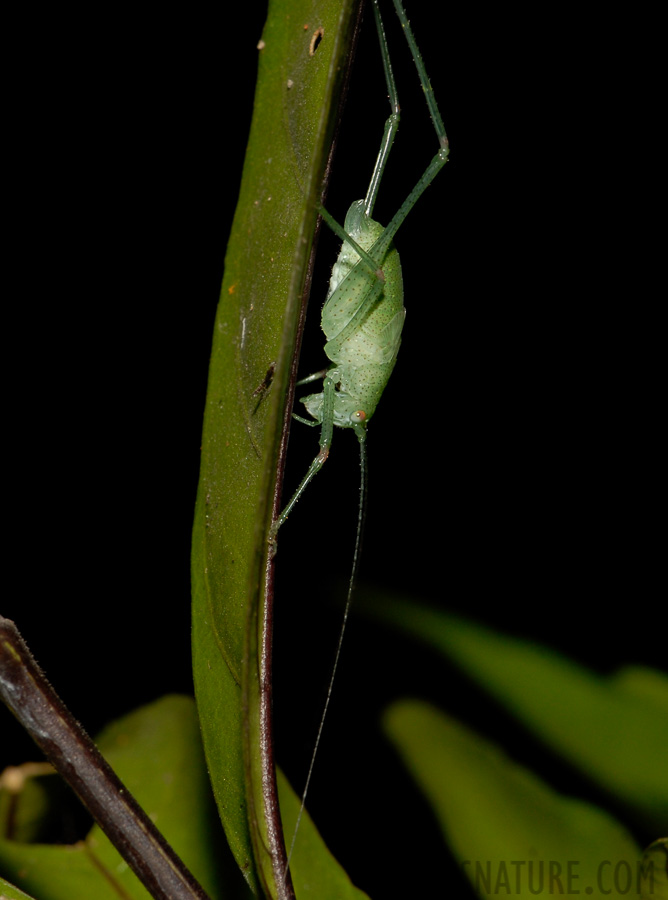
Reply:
x=427 y=89
x=365 y=258
x=392 y=123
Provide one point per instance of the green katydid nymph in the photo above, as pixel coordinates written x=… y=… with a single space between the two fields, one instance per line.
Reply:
x=363 y=315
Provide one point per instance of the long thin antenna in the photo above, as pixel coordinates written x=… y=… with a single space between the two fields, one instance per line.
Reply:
x=360 y=430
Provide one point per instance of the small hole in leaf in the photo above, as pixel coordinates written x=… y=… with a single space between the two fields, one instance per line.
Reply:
x=315 y=41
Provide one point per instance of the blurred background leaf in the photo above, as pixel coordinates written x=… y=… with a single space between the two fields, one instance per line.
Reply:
x=613 y=729
x=493 y=812
x=157 y=753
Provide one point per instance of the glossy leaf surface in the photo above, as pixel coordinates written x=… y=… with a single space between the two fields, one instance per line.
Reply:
x=302 y=54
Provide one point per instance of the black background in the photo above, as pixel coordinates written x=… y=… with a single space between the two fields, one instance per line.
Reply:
x=514 y=460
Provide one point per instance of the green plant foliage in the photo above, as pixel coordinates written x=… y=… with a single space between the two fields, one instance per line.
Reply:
x=25 y=801
x=615 y=730
x=53 y=872
x=493 y=812
x=9 y=892
x=301 y=57
x=315 y=872
x=157 y=753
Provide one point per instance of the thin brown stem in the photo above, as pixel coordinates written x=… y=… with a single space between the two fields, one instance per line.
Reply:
x=27 y=693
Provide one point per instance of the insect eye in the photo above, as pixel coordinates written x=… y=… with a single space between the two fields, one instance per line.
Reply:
x=358 y=416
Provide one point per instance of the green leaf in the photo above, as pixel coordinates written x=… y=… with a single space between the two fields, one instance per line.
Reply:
x=299 y=81
x=315 y=872
x=157 y=753
x=503 y=823
x=614 y=729
x=646 y=685
x=9 y=892
x=53 y=872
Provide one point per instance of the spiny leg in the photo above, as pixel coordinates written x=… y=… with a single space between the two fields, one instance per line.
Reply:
x=434 y=111
x=441 y=156
x=391 y=126
x=326 y=431
x=392 y=123
x=371 y=259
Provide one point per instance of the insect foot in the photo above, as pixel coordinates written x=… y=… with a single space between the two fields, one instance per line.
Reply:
x=271 y=540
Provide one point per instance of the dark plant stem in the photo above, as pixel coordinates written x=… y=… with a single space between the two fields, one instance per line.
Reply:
x=27 y=693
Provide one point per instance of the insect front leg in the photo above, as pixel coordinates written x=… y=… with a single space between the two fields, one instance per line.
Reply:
x=316 y=376
x=326 y=430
